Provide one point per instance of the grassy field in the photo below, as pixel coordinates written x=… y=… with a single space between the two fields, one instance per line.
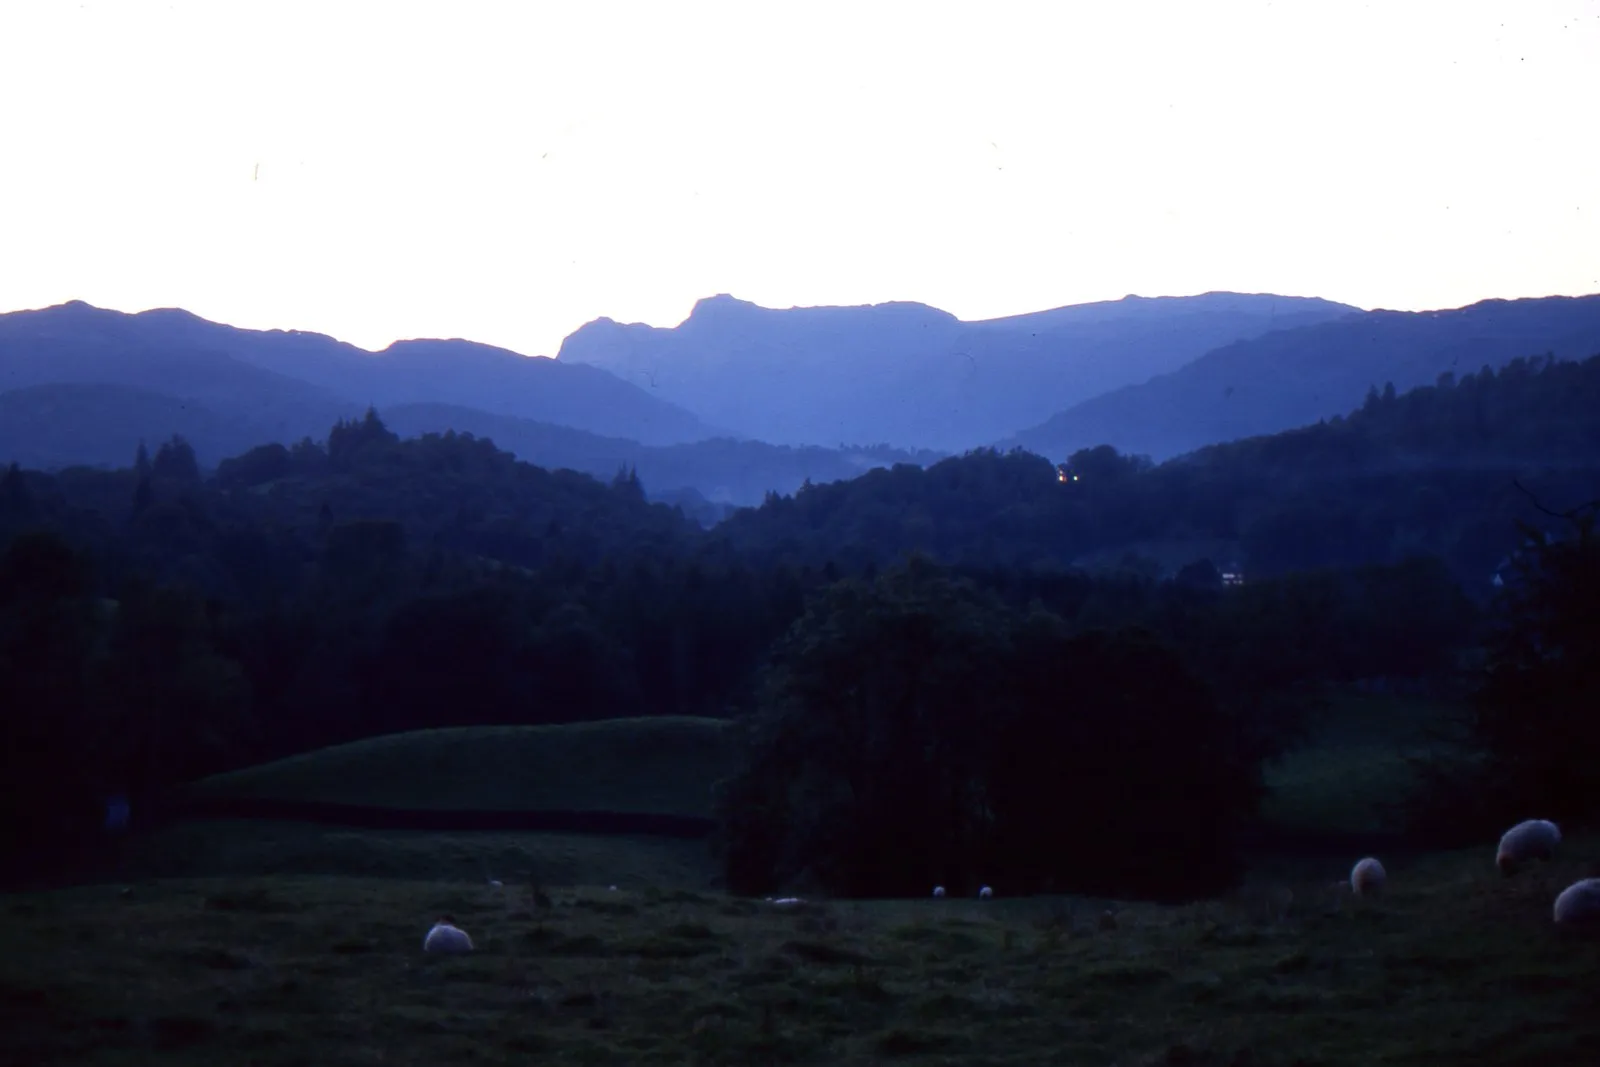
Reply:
x=274 y=943
x=1454 y=966
x=661 y=766
x=1351 y=765
x=245 y=848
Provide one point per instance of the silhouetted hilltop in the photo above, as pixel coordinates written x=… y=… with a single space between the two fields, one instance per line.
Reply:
x=721 y=470
x=1282 y=311
x=47 y=427
x=1293 y=377
x=911 y=374
x=276 y=376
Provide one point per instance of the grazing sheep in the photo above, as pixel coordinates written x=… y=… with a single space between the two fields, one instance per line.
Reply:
x=985 y=893
x=1368 y=877
x=938 y=890
x=446 y=937
x=1579 y=905
x=1535 y=839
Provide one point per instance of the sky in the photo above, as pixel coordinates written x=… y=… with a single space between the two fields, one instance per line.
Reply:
x=506 y=172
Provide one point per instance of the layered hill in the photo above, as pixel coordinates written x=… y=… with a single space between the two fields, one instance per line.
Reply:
x=1438 y=470
x=49 y=427
x=1293 y=377
x=721 y=470
x=287 y=383
x=83 y=386
x=912 y=375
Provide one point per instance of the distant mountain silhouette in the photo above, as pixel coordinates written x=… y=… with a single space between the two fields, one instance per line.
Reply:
x=48 y=427
x=721 y=470
x=1293 y=377
x=913 y=375
x=290 y=380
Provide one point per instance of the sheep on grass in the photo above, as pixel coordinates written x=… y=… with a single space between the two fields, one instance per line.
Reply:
x=1578 y=906
x=446 y=937
x=1367 y=878
x=1535 y=839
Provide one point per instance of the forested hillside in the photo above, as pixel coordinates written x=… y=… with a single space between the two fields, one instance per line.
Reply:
x=157 y=625
x=1431 y=471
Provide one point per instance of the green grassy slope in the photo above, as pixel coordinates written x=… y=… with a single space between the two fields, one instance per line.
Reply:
x=1352 y=767
x=660 y=766
x=1455 y=965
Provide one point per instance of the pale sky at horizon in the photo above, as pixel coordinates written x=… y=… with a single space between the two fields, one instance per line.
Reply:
x=507 y=172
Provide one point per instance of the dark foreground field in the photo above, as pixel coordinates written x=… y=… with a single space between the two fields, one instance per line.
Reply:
x=1456 y=966
x=242 y=942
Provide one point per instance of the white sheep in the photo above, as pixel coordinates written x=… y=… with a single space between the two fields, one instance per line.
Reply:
x=1367 y=878
x=938 y=890
x=1579 y=905
x=1530 y=840
x=446 y=937
x=985 y=893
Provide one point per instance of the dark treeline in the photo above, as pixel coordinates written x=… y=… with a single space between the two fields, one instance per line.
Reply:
x=920 y=670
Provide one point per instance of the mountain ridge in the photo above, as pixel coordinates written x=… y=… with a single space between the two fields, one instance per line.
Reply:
x=909 y=373
x=1295 y=377
x=78 y=342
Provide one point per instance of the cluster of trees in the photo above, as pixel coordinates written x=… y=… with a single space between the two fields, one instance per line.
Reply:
x=1529 y=738
x=916 y=730
x=909 y=722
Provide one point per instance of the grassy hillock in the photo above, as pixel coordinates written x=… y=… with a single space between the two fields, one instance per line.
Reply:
x=660 y=766
x=1456 y=965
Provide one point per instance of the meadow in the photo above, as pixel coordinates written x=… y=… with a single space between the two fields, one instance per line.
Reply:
x=1350 y=774
x=1454 y=966
x=662 y=766
x=263 y=943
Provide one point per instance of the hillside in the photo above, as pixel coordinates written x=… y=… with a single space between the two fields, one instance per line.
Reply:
x=287 y=382
x=660 y=766
x=1294 y=377
x=47 y=427
x=721 y=470
x=1430 y=470
x=912 y=375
